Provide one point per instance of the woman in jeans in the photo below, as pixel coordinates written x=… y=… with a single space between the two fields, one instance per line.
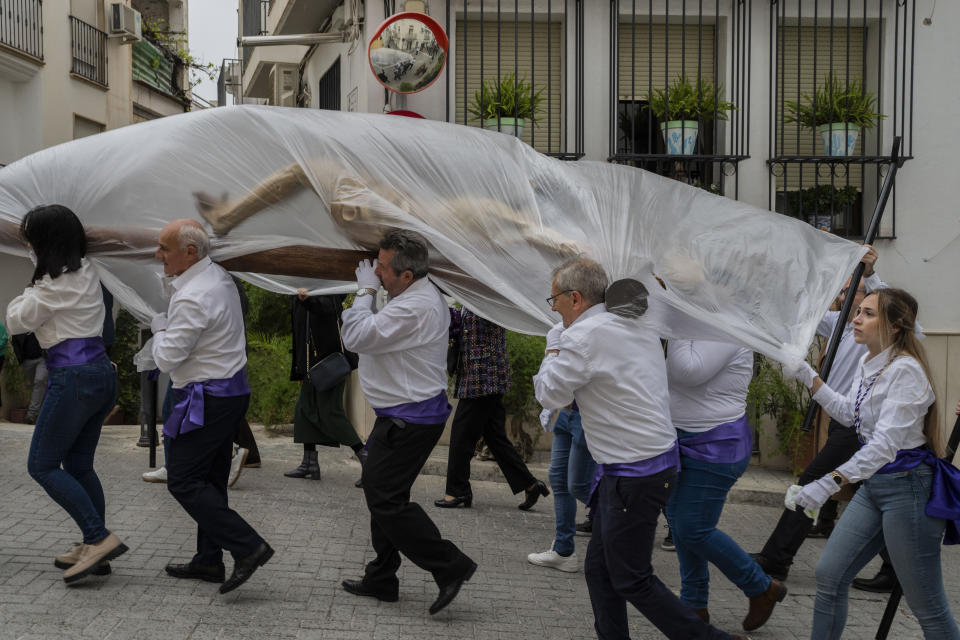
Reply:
x=571 y=476
x=892 y=407
x=708 y=398
x=63 y=306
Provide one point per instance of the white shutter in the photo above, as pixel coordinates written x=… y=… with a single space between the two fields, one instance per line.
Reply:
x=689 y=52
x=531 y=64
x=804 y=59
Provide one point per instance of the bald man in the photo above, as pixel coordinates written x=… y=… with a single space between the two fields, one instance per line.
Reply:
x=200 y=342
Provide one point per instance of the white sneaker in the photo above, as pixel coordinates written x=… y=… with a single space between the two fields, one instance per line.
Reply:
x=157 y=475
x=554 y=560
x=236 y=465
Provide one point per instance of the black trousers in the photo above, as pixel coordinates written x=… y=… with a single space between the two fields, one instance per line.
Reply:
x=244 y=438
x=793 y=527
x=618 y=568
x=197 y=471
x=396 y=452
x=486 y=417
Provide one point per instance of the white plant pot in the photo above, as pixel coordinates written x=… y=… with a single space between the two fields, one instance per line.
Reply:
x=680 y=136
x=510 y=126
x=839 y=138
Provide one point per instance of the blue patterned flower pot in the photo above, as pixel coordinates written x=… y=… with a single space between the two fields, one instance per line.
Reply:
x=839 y=138
x=680 y=136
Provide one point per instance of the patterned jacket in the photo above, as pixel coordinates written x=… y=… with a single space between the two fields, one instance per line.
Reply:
x=483 y=368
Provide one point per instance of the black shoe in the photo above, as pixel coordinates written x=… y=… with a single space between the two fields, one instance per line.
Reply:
x=311 y=471
x=466 y=501
x=667 y=544
x=822 y=529
x=585 y=528
x=244 y=568
x=772 y=570
x=880 y=583
x=197 y=571
x=539 y=489
x=450 y=591
x=357 y=588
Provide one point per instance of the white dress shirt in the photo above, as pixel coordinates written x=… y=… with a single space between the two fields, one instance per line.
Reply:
x=57 y=309
x=891 y=415
x=402 y=348
x=204 y=337
x=708 y=383
x=849 y=353
x=614 y=368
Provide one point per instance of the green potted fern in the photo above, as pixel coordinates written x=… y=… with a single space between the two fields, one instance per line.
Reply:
x=838 y=112
x=682 y=106
x=507 y=105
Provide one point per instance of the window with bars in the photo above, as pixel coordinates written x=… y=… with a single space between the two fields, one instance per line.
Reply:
x=531 y=45
x=21 y=26
x=88 y=51
x=680 y=81
x=841 y=90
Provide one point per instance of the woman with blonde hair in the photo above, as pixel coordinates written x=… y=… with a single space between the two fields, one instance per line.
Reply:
x=904 y=498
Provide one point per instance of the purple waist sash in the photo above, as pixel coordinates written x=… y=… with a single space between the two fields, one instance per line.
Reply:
x=669 y=459
x=73 y=352
x=944 y=499
x=187 y=414
x=725 y=443
x=433 y=410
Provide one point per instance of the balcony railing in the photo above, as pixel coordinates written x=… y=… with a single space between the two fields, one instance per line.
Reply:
x=21 y=26
x=89 y=51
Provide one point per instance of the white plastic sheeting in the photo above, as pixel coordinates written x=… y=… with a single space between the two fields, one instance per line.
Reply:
x=489 y=204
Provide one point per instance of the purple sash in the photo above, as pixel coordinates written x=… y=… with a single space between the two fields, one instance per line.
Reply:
x=187 y=415
x=73 y=352
x=639 y=469
x=944 y=499
x=725 y=443
x=433 y=410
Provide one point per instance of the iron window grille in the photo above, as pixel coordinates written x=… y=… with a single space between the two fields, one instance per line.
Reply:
x=540 y=42
x=89 y=52
x=253 y=22
x=228 y=81
x=328 y=90
x=657 y=49
x=21 y=26
x=840 y=48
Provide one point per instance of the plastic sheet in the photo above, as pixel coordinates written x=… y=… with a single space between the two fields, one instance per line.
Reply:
x=499 y=217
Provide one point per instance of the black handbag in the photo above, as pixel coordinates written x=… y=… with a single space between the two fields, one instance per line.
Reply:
x=327 y=373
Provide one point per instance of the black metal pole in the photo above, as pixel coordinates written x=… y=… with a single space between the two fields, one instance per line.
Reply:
x=894 y=602
x=895 y=163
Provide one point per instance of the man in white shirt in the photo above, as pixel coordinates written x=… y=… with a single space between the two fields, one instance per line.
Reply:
x=402 y=369
x=614 y=368
x=794 y=527
x=200 y=342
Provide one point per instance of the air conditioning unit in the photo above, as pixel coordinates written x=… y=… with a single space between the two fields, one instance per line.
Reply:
x=284 y=80
x=125 y=23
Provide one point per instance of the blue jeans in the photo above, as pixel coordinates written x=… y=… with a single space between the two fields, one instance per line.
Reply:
x=571 y=475
x=693 y=512
x=67 y=432
x=887 y=508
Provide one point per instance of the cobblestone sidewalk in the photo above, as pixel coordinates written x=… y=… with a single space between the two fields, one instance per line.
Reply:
x=321 y=536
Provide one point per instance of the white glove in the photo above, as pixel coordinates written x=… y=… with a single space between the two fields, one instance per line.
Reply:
x=815 y=494
x=789 y=501
x=548 y=418
x=553 y=336
x=366 y=276
x=802 y=372
x=159 y=323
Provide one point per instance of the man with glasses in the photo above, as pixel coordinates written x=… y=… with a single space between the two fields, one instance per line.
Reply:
x=793 y=528
x=613 y=367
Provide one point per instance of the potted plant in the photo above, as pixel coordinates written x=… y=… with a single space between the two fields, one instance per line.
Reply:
x=508 y=105
x=785 y=401
x=818 y=205
x=838 y=112
x=681 y=107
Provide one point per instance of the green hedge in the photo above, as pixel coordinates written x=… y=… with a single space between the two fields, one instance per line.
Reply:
x=273 y=395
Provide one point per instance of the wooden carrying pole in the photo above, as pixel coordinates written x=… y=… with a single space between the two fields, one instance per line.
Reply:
x=895 y=163
x=894 y=602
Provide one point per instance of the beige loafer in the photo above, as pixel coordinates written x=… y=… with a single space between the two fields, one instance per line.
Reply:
x=93 y=555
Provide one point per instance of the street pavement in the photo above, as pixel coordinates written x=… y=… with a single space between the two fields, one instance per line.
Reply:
x=320 y=531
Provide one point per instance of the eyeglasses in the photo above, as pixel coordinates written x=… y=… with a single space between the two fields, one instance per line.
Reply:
x=552 y=299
